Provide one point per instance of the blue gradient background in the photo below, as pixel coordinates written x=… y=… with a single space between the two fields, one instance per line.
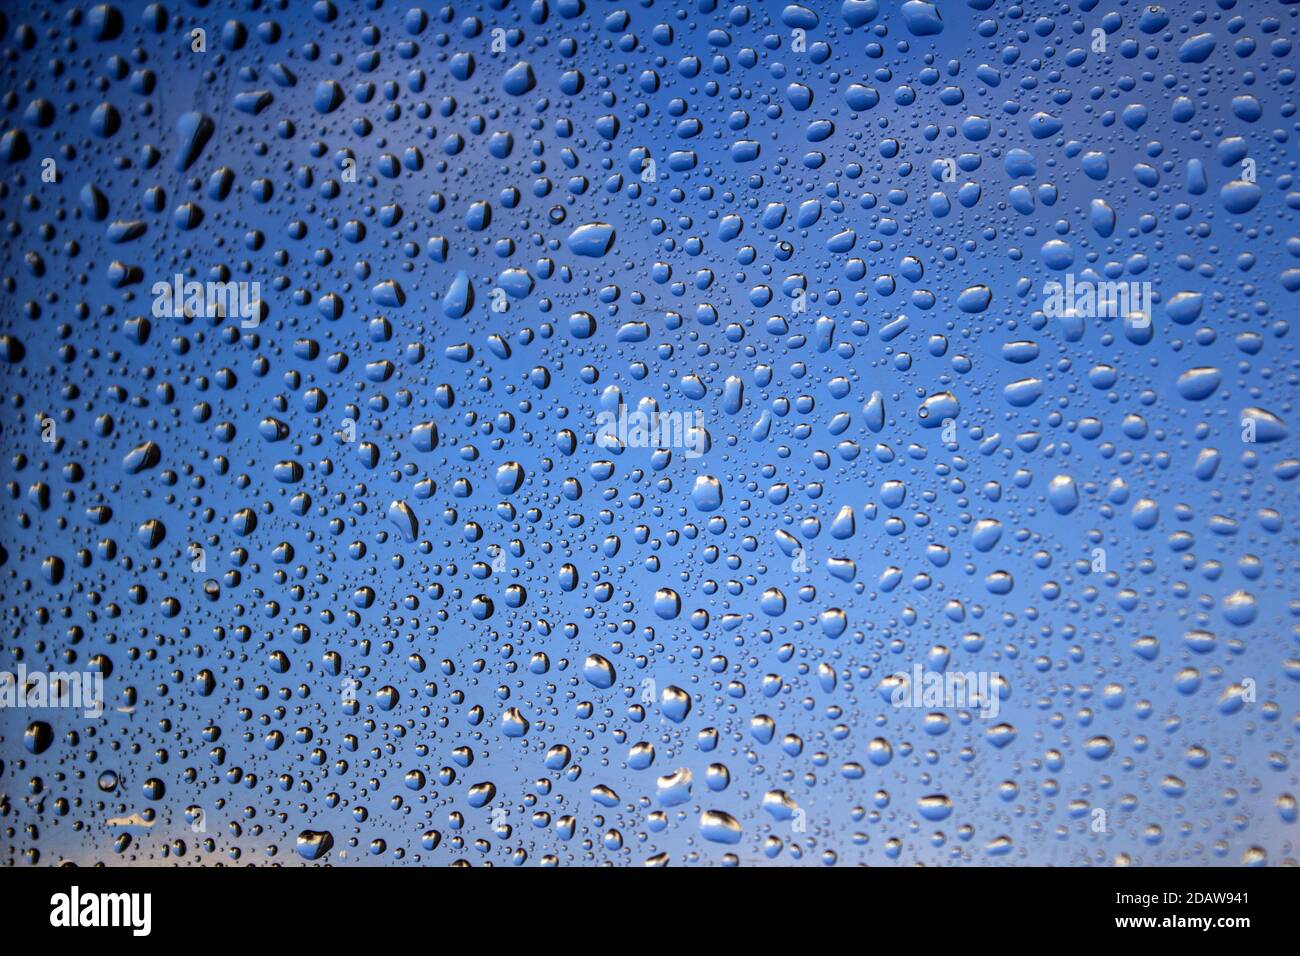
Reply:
x=1111 y=409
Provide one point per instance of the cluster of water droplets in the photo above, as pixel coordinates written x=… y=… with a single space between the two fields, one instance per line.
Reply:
x=563 y=432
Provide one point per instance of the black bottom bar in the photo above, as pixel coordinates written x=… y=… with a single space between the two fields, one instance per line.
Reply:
x=941 y=905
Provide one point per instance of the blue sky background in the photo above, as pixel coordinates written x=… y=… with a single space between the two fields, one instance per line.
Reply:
x=797 y=252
